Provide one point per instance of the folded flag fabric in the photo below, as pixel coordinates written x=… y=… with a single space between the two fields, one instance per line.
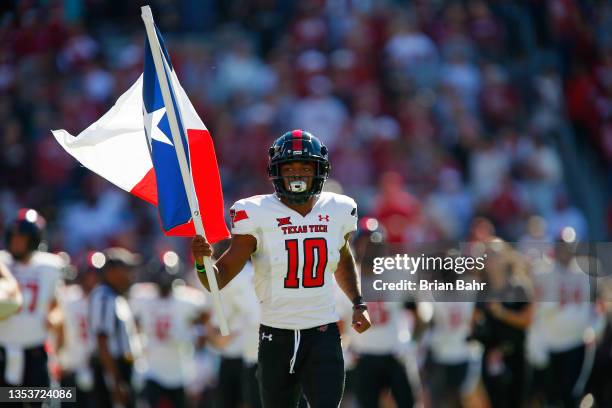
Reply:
x=132 y=147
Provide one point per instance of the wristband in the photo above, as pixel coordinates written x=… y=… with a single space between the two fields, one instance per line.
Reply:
x=360 y=306
x=200 y=268
x=358 y=300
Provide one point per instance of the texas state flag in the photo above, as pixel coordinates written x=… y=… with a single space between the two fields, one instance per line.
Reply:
x=132 y=147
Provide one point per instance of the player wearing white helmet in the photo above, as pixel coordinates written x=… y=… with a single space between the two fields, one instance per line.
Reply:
x=297 y=239
x=23 y=359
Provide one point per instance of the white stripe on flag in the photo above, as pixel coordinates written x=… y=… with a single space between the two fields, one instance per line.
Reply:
x=115 y=146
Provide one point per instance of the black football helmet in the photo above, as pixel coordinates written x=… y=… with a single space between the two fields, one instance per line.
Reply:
x=298 y=145
x=30 y=223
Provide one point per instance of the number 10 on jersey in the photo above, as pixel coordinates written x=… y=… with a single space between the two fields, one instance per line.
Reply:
x=312 y=276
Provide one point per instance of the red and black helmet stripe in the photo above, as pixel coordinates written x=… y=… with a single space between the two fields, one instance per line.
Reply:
x=297 y=140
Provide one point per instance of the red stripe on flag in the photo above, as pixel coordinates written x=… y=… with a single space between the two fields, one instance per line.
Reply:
x=206 y=180
x=297 y=140
x=146 y=189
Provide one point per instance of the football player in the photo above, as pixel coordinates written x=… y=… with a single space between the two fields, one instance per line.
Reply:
x=570 y=314
x=10 y=295
x=379 y=352
x=241 y=307
x=296 y=238
x=237 y=384
x=166 y=316
x=23 y=359
x=452 y=369
x=75 y=342
x=251 y=344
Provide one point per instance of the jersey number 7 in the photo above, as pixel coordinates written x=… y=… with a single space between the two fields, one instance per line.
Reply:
x=312 y=277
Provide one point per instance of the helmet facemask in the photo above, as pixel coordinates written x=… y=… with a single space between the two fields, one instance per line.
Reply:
x=298 y=191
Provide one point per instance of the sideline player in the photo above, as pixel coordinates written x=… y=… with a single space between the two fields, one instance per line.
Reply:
x=10 y=295
x=297 y=238
x=166 y=316
x=23 y=359
x=75 y=342
x=237 y=384
x=452 y=369
x=379 y=352
x=570 y=314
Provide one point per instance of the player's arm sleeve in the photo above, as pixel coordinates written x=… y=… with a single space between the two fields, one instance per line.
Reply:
x=243 y=219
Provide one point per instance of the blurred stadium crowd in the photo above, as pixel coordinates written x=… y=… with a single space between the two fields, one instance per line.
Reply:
x=435 y=112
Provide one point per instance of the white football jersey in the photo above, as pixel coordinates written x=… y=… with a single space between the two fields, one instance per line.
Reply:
x=166 y=325
x=39 y=280
x=242 y=313
x=296 y=256
x=568 y=311
x=251 y=342
x=77 y=340
x=389 y=320
x=537 y=332
x=452 y=323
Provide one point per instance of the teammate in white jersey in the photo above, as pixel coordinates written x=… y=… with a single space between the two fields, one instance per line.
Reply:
x=23 y=359
x=452 y=370
x=296 y=238
x=166 y=316
x=237 y=380
x=10 y=295
x=569 y=315
x=379 y=352
x=75 y=343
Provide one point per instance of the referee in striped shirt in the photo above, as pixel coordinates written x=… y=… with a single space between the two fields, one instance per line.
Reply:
x=112 y=327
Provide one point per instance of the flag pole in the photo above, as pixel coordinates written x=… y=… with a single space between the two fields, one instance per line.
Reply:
x=161 y=69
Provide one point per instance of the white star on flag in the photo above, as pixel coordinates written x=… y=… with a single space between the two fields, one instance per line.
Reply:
x=151 y=122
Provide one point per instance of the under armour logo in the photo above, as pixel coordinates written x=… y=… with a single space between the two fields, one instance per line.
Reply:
x=283 y=221
x=265 y=336
x=322 y=218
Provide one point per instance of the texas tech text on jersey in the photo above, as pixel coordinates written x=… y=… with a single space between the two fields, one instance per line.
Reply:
x=293 y=274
